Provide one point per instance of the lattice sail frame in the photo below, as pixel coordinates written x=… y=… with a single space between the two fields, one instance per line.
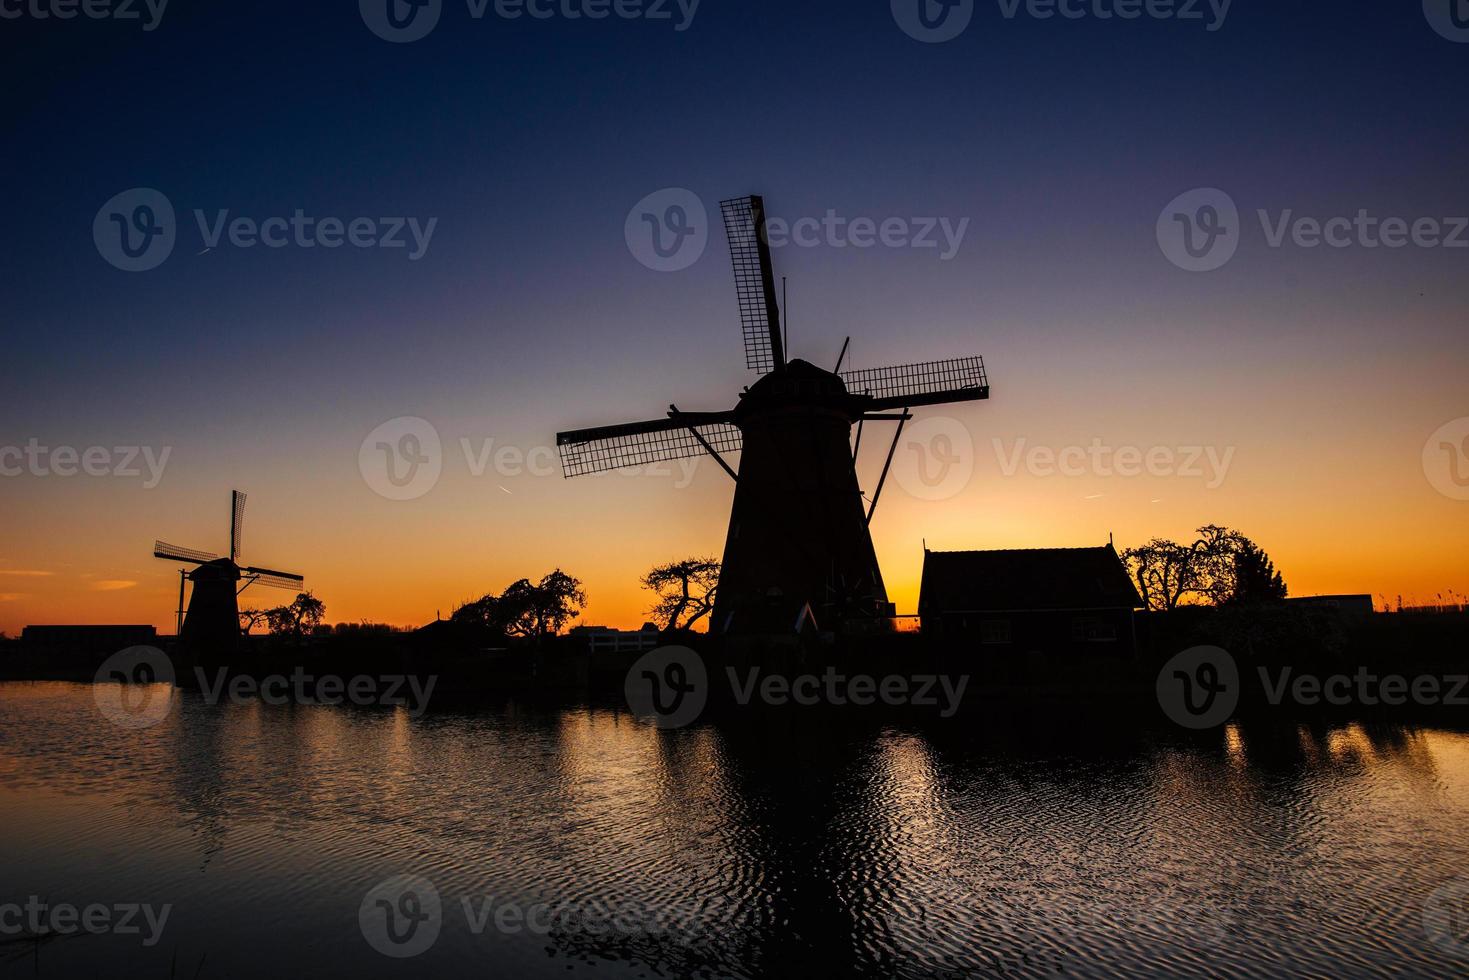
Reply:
x=237 y=524
x=749 y=250
x=275 y=580
x=162 y=549
x=620 y=451
x=925 y=383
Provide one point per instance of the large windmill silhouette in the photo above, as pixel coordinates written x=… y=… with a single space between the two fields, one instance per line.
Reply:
x=798 y=530
x=213 y=619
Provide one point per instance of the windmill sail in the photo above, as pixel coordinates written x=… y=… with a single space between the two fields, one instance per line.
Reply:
x=744 y=224
x=615 y=447
x=279 y=580
x=162 y=549
x=237 y=524
x=929 y=383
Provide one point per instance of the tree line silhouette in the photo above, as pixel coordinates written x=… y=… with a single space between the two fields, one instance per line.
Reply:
x=527 y=610
x=1221 y=567
x=302 y=616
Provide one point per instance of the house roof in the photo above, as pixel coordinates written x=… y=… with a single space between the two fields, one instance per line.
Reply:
x=1033 y=578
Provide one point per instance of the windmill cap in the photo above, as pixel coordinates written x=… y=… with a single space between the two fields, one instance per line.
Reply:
x=800 y=384
x=219 y=568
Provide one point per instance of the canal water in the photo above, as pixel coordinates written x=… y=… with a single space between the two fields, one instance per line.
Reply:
x=258 y=840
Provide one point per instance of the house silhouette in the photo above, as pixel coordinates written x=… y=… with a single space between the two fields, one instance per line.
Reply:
x=1048 y=600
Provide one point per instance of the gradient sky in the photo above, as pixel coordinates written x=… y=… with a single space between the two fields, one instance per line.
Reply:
x=1324 y=370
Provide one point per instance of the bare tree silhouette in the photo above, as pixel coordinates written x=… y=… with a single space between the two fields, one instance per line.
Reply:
x=299 y=618
x=1220 y=567
x=683 y=588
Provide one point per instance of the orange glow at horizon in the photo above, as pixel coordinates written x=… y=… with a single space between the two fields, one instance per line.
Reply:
x=81 y=552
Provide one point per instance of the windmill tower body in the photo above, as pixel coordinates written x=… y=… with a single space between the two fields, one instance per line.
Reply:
x=213 y=619
x=798 y=528
x=798 y=535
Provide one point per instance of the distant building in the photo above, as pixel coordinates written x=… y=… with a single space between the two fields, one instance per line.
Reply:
x=1052 y=600
x=1347 y=605
x=603 y=639
x=86 y=639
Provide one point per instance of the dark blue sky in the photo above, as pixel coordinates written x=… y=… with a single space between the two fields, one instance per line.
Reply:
x=531 y=139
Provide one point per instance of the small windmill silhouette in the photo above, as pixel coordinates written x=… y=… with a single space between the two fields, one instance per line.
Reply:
x=213 y=618
x=798 y=530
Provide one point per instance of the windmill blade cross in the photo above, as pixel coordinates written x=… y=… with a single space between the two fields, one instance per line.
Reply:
x=749 y=250
x=958 y=379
